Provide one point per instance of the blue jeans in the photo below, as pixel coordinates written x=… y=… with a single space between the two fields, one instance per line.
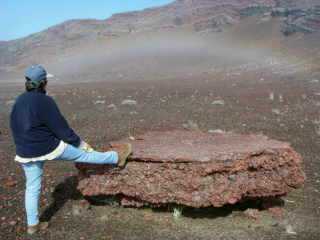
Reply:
x=34 y=171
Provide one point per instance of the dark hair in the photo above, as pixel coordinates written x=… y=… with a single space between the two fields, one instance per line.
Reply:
x=30 y=85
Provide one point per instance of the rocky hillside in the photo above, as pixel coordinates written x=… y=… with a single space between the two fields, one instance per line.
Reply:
x=299 y=20
x=195 y=15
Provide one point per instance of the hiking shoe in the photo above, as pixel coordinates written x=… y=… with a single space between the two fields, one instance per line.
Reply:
x=36 y=228
x=124 y=152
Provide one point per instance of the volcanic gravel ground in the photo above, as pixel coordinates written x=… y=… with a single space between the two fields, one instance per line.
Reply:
x=283 y=108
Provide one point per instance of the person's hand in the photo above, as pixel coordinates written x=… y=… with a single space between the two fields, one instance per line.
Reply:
x=88 y=148
x=85 y=147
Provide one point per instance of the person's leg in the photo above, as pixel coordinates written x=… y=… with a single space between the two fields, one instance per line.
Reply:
x=72 y=153
x=33 y=172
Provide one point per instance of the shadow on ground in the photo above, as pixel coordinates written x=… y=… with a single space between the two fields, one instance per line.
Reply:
x=68 y=191
x=63 y=192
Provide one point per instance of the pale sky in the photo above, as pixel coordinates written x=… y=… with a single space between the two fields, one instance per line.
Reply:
x=19 y=18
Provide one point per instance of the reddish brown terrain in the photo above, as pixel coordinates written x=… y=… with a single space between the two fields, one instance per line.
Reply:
x=196 y=169
x=217 y=66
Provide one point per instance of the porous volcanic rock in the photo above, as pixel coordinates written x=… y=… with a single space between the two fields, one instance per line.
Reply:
x=196 y=169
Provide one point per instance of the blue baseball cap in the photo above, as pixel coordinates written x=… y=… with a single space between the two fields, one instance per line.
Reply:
x=36 y=73
x=35 y=76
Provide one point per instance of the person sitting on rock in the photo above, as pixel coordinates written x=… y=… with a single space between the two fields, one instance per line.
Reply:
x=41 y=133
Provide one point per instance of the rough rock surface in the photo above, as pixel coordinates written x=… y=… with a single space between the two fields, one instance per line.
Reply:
x=197 y=169
x=300 y=20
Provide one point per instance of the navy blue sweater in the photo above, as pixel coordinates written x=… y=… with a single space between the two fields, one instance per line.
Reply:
x=37 y=125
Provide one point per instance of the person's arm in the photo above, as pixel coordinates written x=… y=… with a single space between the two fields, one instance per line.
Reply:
x=52 y=117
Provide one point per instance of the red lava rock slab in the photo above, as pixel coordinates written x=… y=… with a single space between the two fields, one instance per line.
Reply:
x=197 y=169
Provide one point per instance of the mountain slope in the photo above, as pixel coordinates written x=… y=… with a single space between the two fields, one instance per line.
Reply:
x=195 y=15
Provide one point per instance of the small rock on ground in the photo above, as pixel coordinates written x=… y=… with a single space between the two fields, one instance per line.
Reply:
x=80 y=208
x=289 y=230
x=112 y=106
x=216 y=131
x=99 y=102
x=252 y=214
x=276 y=111
x=129 y=102
x=218 y=102
x=191 y=125
x=10 y=102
